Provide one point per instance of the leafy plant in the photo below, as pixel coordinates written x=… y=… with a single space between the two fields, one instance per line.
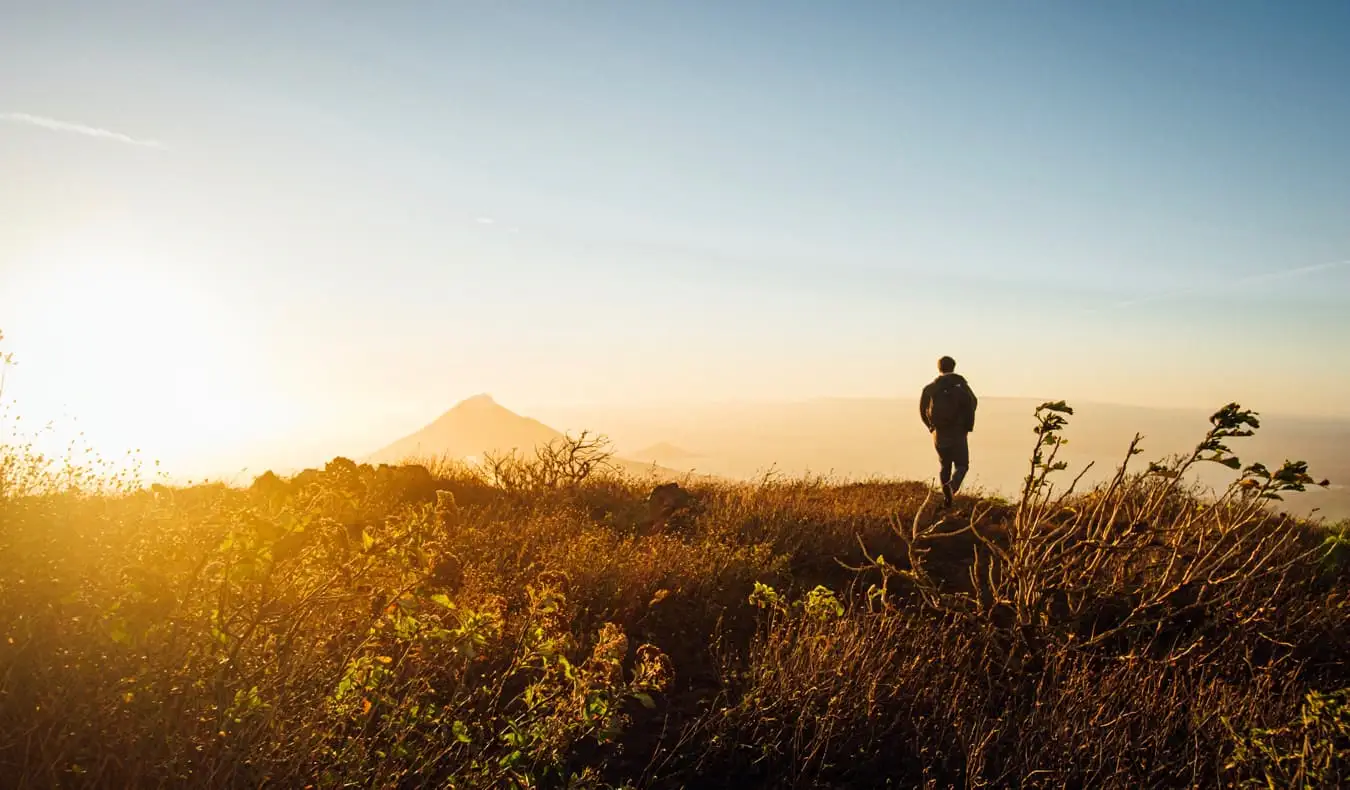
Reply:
x=1311 y=751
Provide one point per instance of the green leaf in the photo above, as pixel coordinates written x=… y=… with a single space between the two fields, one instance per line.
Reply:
x=461 y=732
x=366 y=540
x=443 y=600
x=646 y=700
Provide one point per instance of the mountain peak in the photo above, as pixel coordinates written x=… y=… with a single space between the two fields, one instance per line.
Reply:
x=473 y=427
x=477 y=426
x=481 y=399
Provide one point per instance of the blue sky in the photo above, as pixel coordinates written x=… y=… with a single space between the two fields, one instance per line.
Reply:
x=384 y=207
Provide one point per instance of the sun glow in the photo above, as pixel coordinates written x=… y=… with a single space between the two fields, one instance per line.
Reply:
x=116 y=341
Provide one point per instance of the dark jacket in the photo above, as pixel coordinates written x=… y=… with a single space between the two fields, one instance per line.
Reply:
x=926 y=399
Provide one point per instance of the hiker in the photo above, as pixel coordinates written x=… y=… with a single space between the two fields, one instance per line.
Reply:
x=947 y=408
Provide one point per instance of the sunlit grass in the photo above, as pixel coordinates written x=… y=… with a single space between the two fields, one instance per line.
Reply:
x=545 y=622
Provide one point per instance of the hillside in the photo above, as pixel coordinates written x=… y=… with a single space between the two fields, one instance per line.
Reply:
x=390 y=628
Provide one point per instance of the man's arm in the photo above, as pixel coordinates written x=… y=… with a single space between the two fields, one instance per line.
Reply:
x=974 y=403
x=924 y=400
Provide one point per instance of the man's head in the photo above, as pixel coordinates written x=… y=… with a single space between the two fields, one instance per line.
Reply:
x=946 y=365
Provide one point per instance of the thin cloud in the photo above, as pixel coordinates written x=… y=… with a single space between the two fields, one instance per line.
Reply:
x=1302 y=270
x=77 y=128
x=484 y=220
x=1249 y=280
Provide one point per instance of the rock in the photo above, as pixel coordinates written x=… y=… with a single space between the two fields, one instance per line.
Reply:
x=667 y=500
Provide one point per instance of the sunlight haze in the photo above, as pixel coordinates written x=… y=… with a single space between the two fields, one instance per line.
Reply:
x=237 y=235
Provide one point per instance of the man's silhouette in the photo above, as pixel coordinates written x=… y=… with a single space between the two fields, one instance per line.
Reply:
x=947 y=408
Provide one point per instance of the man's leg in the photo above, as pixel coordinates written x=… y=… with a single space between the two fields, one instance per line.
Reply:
x=945 y=476
x=960 y=476
x=960 y=458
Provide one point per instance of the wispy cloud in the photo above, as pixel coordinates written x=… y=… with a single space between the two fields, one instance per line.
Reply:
x=1265 y=277
x=76 y=128
x=485 y=220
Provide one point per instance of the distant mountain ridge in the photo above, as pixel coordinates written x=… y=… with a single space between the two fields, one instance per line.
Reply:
x=479 y=426
x=663 y=451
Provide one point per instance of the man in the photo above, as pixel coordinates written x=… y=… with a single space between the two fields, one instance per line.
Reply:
x=947 y=408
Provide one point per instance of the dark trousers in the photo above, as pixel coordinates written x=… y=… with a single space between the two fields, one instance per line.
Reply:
x=954 y=455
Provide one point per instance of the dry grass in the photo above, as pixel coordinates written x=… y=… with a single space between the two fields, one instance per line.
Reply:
x=400 y=627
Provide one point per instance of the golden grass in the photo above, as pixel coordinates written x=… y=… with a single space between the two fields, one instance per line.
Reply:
x=406 y=627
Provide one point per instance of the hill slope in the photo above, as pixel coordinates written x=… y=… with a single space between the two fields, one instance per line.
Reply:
x=664 y=622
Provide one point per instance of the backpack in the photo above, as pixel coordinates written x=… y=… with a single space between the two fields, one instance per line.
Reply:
x=950 y=406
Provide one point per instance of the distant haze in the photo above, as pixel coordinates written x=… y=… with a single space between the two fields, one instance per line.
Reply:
x=843 y=438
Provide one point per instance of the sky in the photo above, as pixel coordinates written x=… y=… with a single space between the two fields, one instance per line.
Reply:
x=242 y=230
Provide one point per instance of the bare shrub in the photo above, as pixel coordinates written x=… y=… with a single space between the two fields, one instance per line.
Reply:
x=561 y=463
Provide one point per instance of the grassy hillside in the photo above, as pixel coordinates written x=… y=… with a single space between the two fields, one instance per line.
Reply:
x=549 y=623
